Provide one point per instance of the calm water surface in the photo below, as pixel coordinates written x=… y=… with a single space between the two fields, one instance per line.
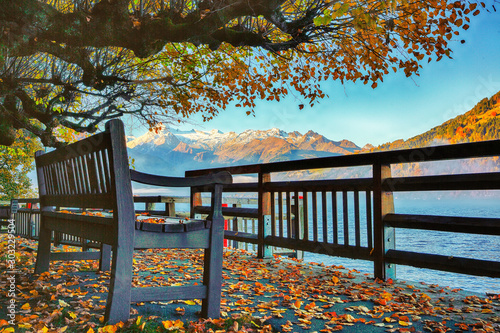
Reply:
x=435 y=242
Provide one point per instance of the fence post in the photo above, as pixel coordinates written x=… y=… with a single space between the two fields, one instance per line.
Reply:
x=264 y=221
x=384 y=237
x=195 y=200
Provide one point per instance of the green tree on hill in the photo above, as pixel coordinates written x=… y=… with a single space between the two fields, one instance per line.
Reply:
x=15 y=163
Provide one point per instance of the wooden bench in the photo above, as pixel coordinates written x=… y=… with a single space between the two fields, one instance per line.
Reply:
x=94 y=174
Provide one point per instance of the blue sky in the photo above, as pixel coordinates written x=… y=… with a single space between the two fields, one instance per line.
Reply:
x=398 y=108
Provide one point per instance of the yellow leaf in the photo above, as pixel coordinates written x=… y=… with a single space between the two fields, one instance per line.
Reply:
x=335 y=279
x=91 y=330
x=26 y=306
x=24 y=325
x=63 y=303
x=108 y=329
x=138 y=321
x=190 y=302
x=8 y=330
x=172 y=324
x=404 y=323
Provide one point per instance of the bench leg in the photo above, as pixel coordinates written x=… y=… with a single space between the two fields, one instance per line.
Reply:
x=105 y=258
x=43 y=252
x=120 y=284
x=212 y=273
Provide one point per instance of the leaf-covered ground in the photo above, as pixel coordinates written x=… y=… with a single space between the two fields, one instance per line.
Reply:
x=272 y=295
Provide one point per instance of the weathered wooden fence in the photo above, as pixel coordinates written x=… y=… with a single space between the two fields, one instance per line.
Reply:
x=323 y=226
x=313 y=215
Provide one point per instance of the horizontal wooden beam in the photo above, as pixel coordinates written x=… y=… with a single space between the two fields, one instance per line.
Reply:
x=87 y=230
x=335 y=250
x=358 y=184
x=241 y=236
x=148 y=294
x=444 y=263
x=80 y=255
x=236 y=187
x=463 y=182
x=230 y=211
x=158 y=199
x=471 y=225
x=160 y=240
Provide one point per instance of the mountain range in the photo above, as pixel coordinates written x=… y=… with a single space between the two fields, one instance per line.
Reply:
x=176 y=151
x=170 y=152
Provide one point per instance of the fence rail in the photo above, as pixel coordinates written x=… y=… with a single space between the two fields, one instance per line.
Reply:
x=313 y=215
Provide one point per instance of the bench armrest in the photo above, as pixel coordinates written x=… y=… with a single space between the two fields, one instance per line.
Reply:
x=222 y=177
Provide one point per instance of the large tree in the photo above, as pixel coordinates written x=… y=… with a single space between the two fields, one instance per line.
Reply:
x=15 y=163
x=68 y=65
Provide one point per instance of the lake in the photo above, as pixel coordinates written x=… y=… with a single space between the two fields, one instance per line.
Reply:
x=464 y=245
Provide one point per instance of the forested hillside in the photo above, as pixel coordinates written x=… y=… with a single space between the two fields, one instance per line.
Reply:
x=479 y=124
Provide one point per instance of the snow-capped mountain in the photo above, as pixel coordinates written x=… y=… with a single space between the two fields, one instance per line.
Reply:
x=167 y=151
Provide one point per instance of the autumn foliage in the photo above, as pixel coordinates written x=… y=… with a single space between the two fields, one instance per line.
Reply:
x=72 y=64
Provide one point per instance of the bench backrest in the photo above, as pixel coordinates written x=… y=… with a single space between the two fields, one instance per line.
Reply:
x=91 y=173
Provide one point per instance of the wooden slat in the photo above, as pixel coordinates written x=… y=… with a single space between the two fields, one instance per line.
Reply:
x=93 y=174
x=360 y=184
x=335 y=228
x=108 y=177
x=144 y=178
x=315 y=216
x=240 y=236
x=78 y=217
x=148 y=294
x=98 y=232
x=80 y=255
x=104 y=201
x=474 y=181
x=198 y=239
x=100 y=170
x=324 y=216
x=289 y=230
x=357 y=226
x=280 y=211
x=273 y=214
x=305 y=208
x=295 y=212
x=230 y=211
x=369 y=228
x=444 y=263
x=346 y=217
x=320 y=247
x=471 y=225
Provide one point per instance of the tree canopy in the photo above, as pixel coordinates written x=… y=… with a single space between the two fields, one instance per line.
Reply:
x=68 y=65
x=15 y=163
